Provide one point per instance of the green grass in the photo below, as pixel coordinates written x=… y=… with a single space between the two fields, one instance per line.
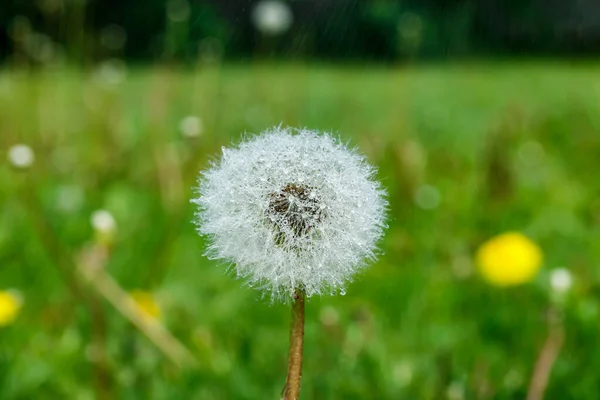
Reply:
x=508 y=147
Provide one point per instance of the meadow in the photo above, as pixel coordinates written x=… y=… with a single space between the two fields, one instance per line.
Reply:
x=466 y=151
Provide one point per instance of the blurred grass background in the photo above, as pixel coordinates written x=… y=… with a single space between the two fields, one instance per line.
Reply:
x=109 y=110
x=466 y=151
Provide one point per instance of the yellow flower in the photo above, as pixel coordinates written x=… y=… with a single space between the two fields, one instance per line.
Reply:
x=509 y=259
x=146 y=304
x=10 y=305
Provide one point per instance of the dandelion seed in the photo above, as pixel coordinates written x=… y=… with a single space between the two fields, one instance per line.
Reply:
x=284 y=233
x=21 y=156
x=509 y=259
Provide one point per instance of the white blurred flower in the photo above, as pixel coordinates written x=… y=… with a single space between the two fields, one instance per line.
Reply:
x=191 y=126
x=292 y=209
x=561 y=280
x=103 y=222
x=21 y=156
x=272 y=17
x=427 y=197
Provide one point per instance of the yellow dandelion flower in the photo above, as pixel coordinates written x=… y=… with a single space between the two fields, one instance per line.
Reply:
x=146 y=304
x=10 y=305
x=509 y=259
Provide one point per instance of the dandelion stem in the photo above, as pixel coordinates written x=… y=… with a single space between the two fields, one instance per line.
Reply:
x=547 y=358
x=291 y=390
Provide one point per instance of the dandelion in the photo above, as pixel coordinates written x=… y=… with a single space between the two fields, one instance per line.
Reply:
x=272 y=17
x=509 y=259
x=21 y=156
x=297 y=213
x=10 y=305
x=146 y=304
x=292 y=211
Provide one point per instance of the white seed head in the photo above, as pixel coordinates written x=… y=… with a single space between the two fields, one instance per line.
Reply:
x=291 y=209
x=272 y=17
x=103 y=222
x=21 y=156
x=561 y=280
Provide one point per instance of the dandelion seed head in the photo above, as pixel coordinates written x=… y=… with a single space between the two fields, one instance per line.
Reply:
x=292 y=209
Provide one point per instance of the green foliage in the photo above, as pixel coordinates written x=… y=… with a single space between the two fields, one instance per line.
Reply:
x=507 y=147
